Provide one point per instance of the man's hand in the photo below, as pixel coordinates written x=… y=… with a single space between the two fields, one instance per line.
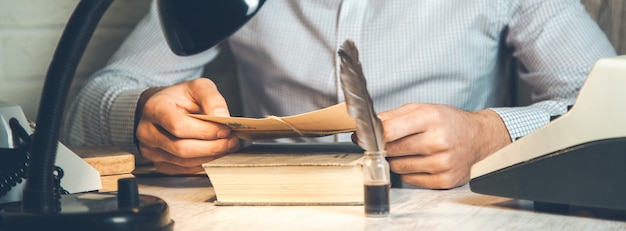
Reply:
x=434 y=146
x=175 y=142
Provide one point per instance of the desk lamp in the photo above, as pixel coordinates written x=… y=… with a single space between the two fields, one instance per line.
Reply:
x=190 y=27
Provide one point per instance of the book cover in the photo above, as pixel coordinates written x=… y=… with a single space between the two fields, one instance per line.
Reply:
x=289 y=174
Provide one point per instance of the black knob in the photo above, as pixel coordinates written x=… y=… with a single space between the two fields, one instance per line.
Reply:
x=127 y=193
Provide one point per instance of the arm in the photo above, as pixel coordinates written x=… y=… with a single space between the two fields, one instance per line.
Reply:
x=103 y=113
x=434 y=146
x=557 y=44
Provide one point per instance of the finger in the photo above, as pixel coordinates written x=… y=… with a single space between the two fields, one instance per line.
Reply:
x=187 y=148
x=175 y=121
x=422 y=143
x=403 y=121
x=159 y=155
x=149 y=134
x=210 y=99
x=192 y=148
x=154 y=135
x=404 y=109
x=433 y=164
x=435 y=181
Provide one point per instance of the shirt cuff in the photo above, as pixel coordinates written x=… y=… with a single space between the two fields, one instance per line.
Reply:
x=122 y=122
x=521 y=121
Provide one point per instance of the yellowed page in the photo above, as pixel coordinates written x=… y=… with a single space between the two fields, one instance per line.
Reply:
x=328 y=121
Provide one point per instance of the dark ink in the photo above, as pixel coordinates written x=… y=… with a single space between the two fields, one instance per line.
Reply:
x=377 y=200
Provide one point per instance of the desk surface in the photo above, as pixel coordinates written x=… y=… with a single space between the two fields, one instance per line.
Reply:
x=191 y=207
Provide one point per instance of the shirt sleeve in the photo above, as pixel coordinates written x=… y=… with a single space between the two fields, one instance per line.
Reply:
x=556 y=43
x=103 y=111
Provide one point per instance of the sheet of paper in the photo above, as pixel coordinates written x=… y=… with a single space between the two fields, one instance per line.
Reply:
x=328 y=121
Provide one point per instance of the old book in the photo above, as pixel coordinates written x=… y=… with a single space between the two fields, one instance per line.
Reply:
x=107 y=160
x=110 y=162
x=109 y=182
x=327 y=121
x=289 y=174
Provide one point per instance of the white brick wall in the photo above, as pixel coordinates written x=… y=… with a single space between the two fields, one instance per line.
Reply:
x=29 y=32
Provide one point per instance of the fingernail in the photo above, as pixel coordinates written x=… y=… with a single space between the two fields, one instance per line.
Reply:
x=233 y=144
x=220 y=111
x=221 y=134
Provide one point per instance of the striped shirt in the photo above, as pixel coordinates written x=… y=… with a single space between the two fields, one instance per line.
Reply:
x=424 y=51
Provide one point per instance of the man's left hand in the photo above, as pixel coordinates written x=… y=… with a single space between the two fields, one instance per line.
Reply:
x=435 y=146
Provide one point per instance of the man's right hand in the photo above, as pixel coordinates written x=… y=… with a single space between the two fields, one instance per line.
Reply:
x=175 y=142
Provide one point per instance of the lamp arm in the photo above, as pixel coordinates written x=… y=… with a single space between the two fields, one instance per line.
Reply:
x=38 y=193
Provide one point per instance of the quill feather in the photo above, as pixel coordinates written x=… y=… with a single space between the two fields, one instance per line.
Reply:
x=369 y=128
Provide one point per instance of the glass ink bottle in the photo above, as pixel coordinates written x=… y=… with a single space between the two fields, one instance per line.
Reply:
x=376 y=184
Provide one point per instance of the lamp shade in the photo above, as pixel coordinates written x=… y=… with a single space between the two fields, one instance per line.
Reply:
x=193 y=26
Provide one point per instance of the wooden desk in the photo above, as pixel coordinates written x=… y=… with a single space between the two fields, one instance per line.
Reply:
x=190 y=200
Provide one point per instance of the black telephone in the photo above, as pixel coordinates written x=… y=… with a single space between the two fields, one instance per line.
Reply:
x=15 y=137
x=14 y=161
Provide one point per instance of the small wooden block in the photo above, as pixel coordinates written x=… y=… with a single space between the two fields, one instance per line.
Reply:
x=109 y=183
x=107 y=160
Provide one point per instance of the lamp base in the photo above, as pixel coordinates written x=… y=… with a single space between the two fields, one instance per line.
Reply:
x=91 y=211
x=123 y=211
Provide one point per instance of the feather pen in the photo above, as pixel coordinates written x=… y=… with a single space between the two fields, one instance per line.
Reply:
x=369 y=129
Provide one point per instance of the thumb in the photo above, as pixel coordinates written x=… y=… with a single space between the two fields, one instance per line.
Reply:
x=205 y=92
